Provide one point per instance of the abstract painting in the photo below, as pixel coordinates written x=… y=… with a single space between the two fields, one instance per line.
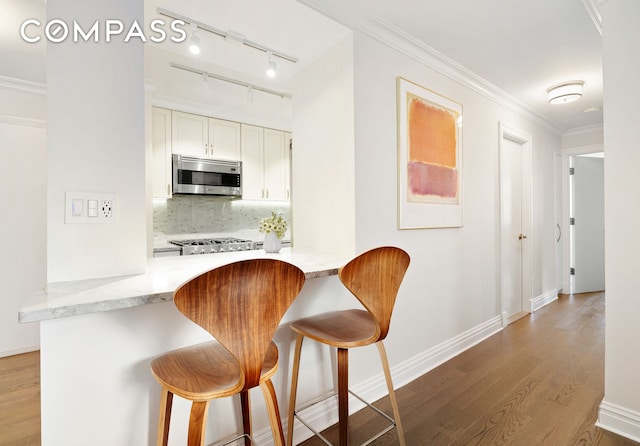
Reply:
x=429 y=158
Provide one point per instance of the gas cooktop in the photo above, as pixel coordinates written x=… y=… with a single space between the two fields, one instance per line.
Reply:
x=213 y=245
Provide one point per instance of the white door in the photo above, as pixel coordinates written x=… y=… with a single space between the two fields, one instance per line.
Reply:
x=515 y=215
x=558 y=214
x=588 y=229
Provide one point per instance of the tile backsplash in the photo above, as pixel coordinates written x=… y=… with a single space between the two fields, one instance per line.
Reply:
x=199 y=214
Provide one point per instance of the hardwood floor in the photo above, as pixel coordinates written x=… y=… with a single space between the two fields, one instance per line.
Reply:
x=538 y=382
x=20 y=400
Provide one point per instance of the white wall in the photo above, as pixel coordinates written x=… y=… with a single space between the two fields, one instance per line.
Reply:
x=23 y=204
x=450 y=297
x=322 y=166
x=452 y=286
x=95 y=143
x=620 y=410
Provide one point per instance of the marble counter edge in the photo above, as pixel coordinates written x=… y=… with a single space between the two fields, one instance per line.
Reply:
x=66 y=299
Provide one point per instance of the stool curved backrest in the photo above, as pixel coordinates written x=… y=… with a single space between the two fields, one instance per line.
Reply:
x=241 y=305
x=374 y=278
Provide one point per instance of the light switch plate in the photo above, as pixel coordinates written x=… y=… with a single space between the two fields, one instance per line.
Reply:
x=90 y=208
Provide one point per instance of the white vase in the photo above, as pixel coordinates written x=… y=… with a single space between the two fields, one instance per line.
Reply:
x=271 y=242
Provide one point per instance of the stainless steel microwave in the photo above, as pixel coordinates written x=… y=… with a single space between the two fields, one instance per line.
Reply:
x=205 y=176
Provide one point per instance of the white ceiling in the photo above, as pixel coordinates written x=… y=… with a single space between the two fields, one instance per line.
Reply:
x=522 y=47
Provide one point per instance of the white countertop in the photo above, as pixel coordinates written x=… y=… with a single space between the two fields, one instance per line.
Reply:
x=157 y=284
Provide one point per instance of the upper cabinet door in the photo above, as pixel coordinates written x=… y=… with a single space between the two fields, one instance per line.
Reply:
x=288 y=142
x=190 y=134
x=224 y=139
x=252 y=162
x=276 y=164
x=161 y=152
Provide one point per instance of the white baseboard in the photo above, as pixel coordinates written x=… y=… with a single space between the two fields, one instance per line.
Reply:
x=543 y=299
x=325 y=414
x=19 y=351
x=619 y=420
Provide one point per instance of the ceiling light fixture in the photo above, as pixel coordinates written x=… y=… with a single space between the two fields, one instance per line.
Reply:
x=210 y=75
x=271 y=65
x=205 y=82
x=227 y=35
x=565 y=92
x=194 y=43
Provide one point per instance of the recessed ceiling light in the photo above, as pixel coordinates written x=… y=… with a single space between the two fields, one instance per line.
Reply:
x=592 y=109
x=565 y=92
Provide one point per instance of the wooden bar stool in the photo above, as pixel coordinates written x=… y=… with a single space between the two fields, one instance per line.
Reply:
x=240 y=305
x=374 y=278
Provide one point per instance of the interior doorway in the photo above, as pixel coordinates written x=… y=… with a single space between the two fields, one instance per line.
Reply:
x=587 y=223
x=515 y=222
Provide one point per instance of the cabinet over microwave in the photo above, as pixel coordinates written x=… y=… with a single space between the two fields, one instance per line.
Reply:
x=205 y=176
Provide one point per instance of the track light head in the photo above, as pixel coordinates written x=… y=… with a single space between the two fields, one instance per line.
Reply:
x=271 y=66
x=194 y=43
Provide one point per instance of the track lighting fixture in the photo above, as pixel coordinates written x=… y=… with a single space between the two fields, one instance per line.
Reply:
x=205 y=82
x=251 y=87
x=194 y=43
x=271 y=65
x=230 y=36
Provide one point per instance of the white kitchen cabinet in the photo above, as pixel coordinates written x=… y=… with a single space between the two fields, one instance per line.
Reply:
x=224 y=139
x=201 y=136
x=161 y=152
x=190 y=134
x=252 y=138
x=265 y=163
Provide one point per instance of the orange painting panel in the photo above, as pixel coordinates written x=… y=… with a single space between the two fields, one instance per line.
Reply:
x=432 y=134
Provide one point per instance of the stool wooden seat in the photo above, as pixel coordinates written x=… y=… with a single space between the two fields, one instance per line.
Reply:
x=240 y=305
x=374 y=278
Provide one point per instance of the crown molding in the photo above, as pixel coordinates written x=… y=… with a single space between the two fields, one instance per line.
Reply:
x=22 y=86
x=19 y=120
x=408 y=45
x=594 y=12
x=584 y=130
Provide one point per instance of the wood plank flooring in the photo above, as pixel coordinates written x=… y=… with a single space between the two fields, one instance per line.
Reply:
x=538 y=382
x=20 y=400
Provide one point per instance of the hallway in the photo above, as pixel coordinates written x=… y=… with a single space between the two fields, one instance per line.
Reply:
x=537 y=382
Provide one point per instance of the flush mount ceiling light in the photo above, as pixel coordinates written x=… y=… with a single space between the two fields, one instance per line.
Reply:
x=271 y=65
x=194 y=43
x=565 y=92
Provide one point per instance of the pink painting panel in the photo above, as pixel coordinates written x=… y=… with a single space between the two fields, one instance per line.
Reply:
x=431 y=180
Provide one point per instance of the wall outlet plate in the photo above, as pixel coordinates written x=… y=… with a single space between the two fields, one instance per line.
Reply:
x=90 y=208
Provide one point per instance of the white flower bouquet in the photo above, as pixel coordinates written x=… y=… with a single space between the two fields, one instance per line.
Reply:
x=275 y=223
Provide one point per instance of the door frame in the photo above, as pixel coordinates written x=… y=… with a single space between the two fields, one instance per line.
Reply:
x=506 y=132
x=567 y=153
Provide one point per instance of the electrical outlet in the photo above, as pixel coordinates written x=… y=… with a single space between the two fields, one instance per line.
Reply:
x=90 y=207
x=106 y=207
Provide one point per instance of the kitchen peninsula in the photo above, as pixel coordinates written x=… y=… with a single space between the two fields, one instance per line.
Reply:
x=100 y=335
